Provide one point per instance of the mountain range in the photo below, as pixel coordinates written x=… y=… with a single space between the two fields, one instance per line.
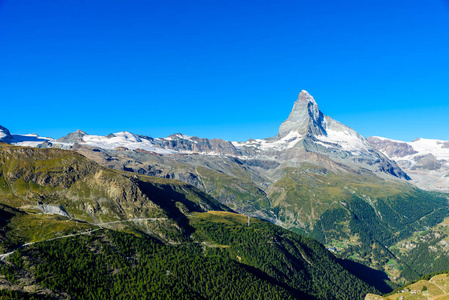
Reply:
x=307 y=135
x=363 y=198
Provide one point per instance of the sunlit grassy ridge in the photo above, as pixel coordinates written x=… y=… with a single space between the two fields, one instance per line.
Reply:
x=21 y=227
x=432 y=286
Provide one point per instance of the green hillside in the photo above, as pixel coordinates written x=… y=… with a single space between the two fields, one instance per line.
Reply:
x=225 y=259
x=96 y=233
x=353 y=211
x=358 y=216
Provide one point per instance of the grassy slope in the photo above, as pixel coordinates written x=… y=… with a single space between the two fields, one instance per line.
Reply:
x=238 y=192
x=432 y=286
x=19 y=227
x=90 y=192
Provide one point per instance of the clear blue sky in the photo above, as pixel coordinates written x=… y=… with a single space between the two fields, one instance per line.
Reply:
x=227 y=69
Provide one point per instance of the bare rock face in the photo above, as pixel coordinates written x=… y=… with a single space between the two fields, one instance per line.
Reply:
x=392 y=148
x=74 y=137
x=305 y=117
x=326 y=137
x=391 y=167
x=183 y=143
x=427 y=162
x=53 y=209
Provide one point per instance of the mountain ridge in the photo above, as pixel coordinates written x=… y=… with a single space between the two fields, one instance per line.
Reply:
x=306 y=130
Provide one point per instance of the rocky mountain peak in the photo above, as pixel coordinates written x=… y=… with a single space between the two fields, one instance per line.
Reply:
x=74 y=137
x=305 y=96
x=305 y=117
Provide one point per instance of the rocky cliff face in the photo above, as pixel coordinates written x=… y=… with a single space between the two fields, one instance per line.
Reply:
x=305 y=118
x=186 y=144
x=74 y=137
x=392 y=149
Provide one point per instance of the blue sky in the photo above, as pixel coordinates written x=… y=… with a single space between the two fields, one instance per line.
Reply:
x=227 y=69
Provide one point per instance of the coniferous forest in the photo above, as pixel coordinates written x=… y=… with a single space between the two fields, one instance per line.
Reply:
x=226 y=259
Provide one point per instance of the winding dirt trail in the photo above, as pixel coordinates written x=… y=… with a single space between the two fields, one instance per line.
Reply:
x=5 y=255
x=100 y=225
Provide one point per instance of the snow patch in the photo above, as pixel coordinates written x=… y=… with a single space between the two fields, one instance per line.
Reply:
x=124 y=139
x=342 y=135
x=29 y=140
x=430 y=146
x=288 y=141
x=120 y=139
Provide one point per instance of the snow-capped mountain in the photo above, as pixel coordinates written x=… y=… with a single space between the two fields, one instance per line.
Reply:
x=425 y=160
x=306 y=136
x=309 y=135
x=115 y=141
x=306 y=121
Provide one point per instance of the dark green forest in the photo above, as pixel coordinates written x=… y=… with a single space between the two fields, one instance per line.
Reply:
x=257 y=262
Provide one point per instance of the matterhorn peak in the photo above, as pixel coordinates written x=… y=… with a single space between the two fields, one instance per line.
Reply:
x=306 y=97
x=305 y=117
x=79 y=131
